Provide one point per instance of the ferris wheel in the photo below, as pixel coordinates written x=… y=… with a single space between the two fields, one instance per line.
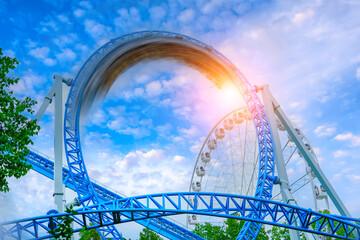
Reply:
x=228 y=162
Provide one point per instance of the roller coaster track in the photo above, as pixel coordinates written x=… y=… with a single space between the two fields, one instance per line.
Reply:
x=160 y=225
x=103 y=208
x=211 y=204
x=101 y=70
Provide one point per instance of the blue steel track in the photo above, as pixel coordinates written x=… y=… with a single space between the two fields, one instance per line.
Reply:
x=87 y=83
x=211 y=204
x=95 y=199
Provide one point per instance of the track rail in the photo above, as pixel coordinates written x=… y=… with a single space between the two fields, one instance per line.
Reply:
x=98 y=73
x=166 y=227
x=212 y=204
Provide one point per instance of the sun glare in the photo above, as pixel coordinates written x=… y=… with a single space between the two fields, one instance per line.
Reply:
x=230 y=95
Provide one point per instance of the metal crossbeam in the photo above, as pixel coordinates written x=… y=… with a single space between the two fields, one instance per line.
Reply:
x=211 y=204
x=104 y=57
x=160 y=225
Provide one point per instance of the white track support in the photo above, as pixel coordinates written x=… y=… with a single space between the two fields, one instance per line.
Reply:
x=279 y=158
x=58 y=145
x=309 y=158
x=57 y=92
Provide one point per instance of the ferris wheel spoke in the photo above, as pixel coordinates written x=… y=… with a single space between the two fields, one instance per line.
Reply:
x=252 y=177
x=292 y=151
x=232 y=162
x=233 y=167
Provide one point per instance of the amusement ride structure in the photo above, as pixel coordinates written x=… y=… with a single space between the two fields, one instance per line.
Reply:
x=242 y=160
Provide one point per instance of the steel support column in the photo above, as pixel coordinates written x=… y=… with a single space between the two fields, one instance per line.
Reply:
x=279 y=158
x=310 y=159
x=58 y=145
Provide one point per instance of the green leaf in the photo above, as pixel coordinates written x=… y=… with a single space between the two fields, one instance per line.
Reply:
x=16 y=129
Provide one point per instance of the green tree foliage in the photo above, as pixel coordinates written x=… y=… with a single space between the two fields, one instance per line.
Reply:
x=16 y=129
x=147 y=234
x=229 y=230
x=340 y=231
x=90 y=234
x=209 y=231
x=278 y=233
x=64 y=230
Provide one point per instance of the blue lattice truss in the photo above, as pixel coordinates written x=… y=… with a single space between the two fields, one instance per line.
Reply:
x=211 y=204
x=162 y=226
x=77 y=170
x=148 y=210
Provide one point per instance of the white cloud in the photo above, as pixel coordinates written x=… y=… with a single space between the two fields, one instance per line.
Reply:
x=142 y=171
x=185 y=112
x=301 y=17
x=354 y=178
x=340 y=154
x=290 y=171
x=354 y=139
x=196 y=147
x=27 y=83
x=344 y=136
x=153 y=154
x=128 y=18
x=297 y=120
x=85 y=4
x=210 y=6
x=133 y=93
x=157 y=13
x=9 y=53
x=358 y=73
x=154 y=89
x=317 y=151
x=95 y=29
x=355 y=59
x=116 y=124
x=50 y=24
x=50 y=62
x=132 y=159
x=63 y=19
x=116 y=111
x=178 y=158
x=295 y=105
x=79 y=13
x=66 y=55
x=81 y=47
x=30 y=44
x=164 y=130
x=98 y=117
x=94 y=139
x=38 y=197
x=324 y=130
x=40 y=53
x=64 y=40
x=130 y=125
x=191 y=133
x=136 y=132
x=186 y=15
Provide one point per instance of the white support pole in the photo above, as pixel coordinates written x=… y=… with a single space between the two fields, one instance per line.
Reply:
x=58 y=145
x=310 y=159
x=279 y=158
x=57 y=92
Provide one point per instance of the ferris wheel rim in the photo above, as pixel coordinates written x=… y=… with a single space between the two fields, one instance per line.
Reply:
x=207 y=138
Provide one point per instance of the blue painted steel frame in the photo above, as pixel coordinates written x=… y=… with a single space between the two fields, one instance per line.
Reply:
x=212 y=204
x=163 y=226
x=85 y=189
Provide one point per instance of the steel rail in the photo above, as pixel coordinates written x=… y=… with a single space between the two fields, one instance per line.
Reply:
x=211 y=204
x=92 y=77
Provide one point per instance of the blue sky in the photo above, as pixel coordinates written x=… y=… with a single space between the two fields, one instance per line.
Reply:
x=152 y=126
